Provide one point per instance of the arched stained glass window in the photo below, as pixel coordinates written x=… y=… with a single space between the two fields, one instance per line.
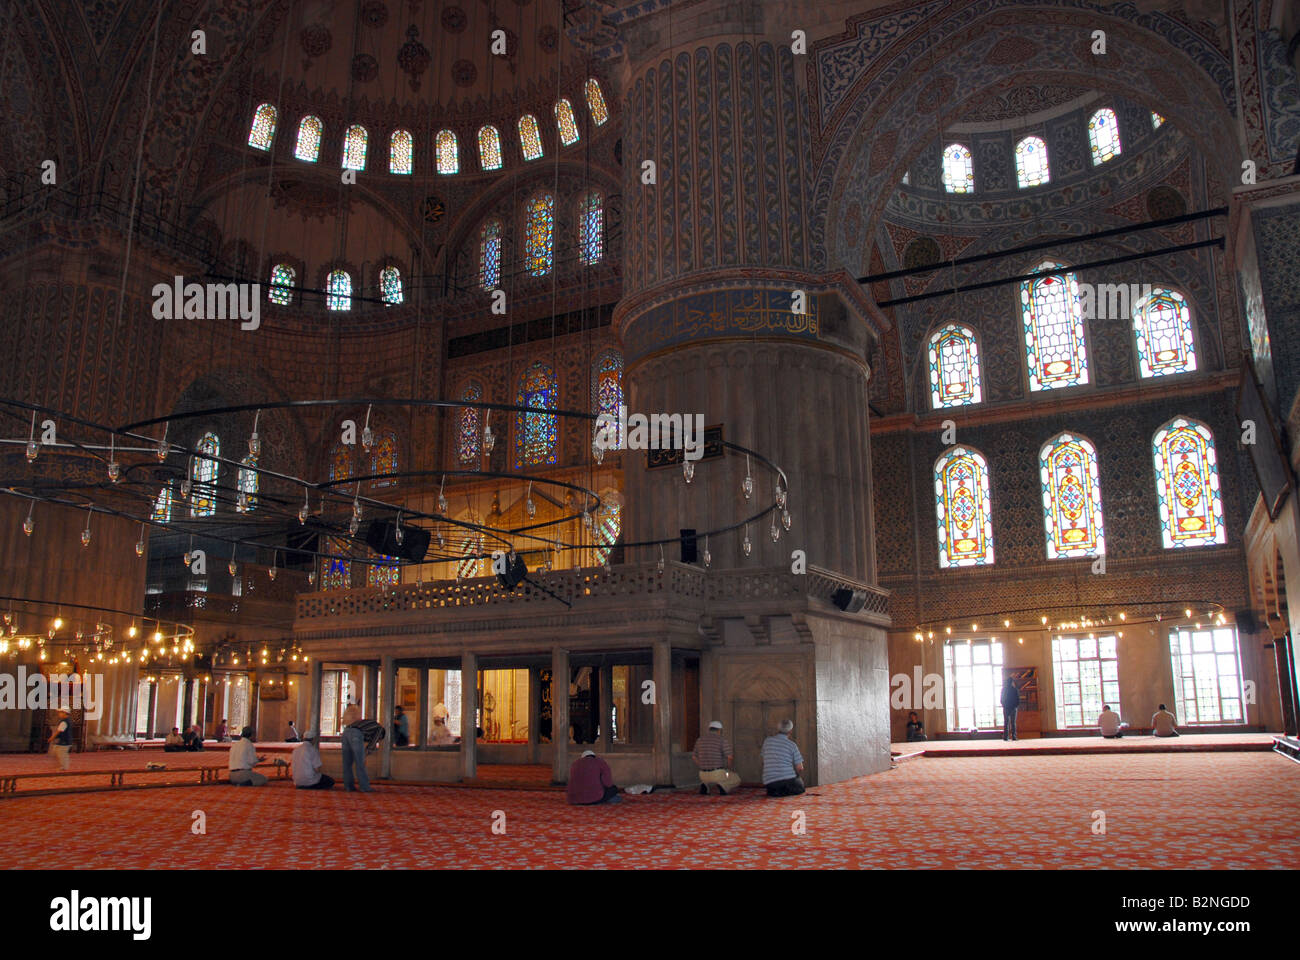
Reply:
x=263 y=130
x=958 y=169
x=162 y=506
x=469 y=565
x=1055 y=348
x=354 y=147
x=204 y=473
x=340 y=462
x=309 y=133
x=535 y=433
x=1103 y=135
x=281 y=289
x=607 y=392
x=954 y=367
x=489 y=255
x=1187 y=484
x=489 y=148
x=448 y=152
x=469 y=438
x=565 y=122
x=1163 y=327
x=591 y=227
x=1072 y=514
x=339 y=290
x=248 y=477
x=963 y=509
x=608 y=526
x=401 y=152
x=538 y=234
x=336 y=573
x=383 y=457
x=1031 y=162
x=1156 y=120
x=390 y=285
x=530 y=138
x=596 y=102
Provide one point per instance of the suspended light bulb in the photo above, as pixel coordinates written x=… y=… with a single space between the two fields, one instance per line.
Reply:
x=186 y=558
x=305 y=508
x=33 y=448
x=708 y=557
x=114 y=471
x=28 y=524
x=587 y=521
x=356 y=509
x=785 y=519
x=254 y=445
x=163 y=448
x=775 y=531
x=660 y=564
x=441 y=541
x=780 y=497
x=311 y=578
x=688 y=469
x=354 y=525
x=489 y=440
x=157 y=636
x=131 y=632
x=528 y=502
x=186 y=486
x=139 y=544
x=398 y=533
x=745 y=544
x=85 y=534
x=598 y=452
x=231 y=567
x=747 y=487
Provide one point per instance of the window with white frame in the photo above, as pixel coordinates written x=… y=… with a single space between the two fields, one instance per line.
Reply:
x=973 y=681
x=1085 y=672
x=1207 y=675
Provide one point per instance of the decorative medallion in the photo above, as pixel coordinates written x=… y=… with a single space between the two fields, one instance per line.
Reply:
x=364 y=68
x=413 y=58
x=1164 y=202
x=433 y=208
x=921 y=252
x=315 y=39
x=374 y=13
x=464 y=73
x=1010 y=50
x=938 y=93
x=454 y=19
x=548 y=38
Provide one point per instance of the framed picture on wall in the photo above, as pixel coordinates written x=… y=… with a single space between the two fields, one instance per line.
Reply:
x=410 y=697
x=273 y=685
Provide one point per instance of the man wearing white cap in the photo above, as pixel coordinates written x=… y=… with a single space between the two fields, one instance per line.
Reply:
x=591 y=781
x=714 y=757
x=306 y=765
x=782 y=763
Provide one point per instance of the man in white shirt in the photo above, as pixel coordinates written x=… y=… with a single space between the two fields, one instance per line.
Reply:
x=1162 y=724
x=243 y=757
x=306 y=765
x=1109 y=723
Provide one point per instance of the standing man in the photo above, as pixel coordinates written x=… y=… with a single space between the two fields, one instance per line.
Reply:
x=1010 y=704
x=61 y=740
x=306 y=765
x=354 y=750
x=714 y=757
x=782 y=763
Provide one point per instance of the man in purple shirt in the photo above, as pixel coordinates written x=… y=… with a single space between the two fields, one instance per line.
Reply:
x=590 y=781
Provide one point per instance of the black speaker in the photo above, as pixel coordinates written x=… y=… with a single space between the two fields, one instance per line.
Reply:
x=850 y=601
x=689 y=554
x=516 y=571
x=1247 y=621
x=382 y=538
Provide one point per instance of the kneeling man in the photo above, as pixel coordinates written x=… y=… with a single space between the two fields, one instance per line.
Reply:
x=782 y=763
x=591 y=781
x=306 y=765
x=714 y=756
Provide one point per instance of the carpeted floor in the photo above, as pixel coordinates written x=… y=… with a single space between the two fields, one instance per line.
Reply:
x=1163 y=811
x=1145 y=743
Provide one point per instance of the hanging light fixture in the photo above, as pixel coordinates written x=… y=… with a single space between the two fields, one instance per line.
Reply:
x=139 y=544
x=528 y=503
x=254 y=441
x=747 y=486
x=367 y=435
x=33 y=445
x=231 y=566
x=775 y=531
x=85 y=534
x=305 y=508
x=114 y=468
x=708 y=557
x=660 y=564
x=688 y=469
x=489 y=440
x=163 y=448
x=785 y=519
x=745 y=544
x=28 y=524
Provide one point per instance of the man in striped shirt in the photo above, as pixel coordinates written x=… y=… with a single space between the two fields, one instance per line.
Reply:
x=782 y=763
x=714 y=756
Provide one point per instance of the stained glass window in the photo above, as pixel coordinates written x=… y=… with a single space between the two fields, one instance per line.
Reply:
x=963 y=508
x=954 y=367
x=469 y=565
x=162 y=506
x=489 y=255
x=390 y=285
x=340 y=462
x=281 y=290
x=535 y=433
x=401 y=152
x=383 y=457
x=1187 y=484
x=596 y=102
x=336 y=573
x=1103 y=135
x=958 y=169
x=1053 y=320
x=566 y=123
x=1156 y=120
x=530 y=138
x=263 y=131
x=448 y=152
x=1031 y=162
x=354 y=148
x=309 y=133
x=248 y=478
x=1071 y=498
x=537 y=236
x=204 y=471
x=385 y=573
x=469 y=442
x=489 y=148
x=1163 y=326
x=591 y=227
x=339 y=290
x=607 y=530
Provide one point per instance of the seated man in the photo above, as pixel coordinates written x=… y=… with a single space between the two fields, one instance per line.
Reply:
x=306 y=765
x=441 y=736
x=174 y=742
x=591 y=781
x=243 y=757
x=194 y=738
x=221 y=734
x=291 y=735
x=714 y=757
x=915 y=731
x=1108 y=721
x=1162 y=724
x=782 y=763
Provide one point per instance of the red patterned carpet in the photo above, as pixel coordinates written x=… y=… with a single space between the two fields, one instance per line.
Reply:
x=1174 y=810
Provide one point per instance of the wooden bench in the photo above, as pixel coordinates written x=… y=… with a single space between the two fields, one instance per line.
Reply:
x=117 y=778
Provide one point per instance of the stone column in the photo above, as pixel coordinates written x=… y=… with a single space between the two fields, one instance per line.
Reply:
x=422 y=734
x=387 y=700
x=1283 y=655
x=372 y=691
x=605 y=691
x=468 y=707
x=559 y=715
x=534 y=712
x=313 y=684
x=663 y=716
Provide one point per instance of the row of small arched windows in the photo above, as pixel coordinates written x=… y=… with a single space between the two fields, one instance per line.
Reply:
x=1056 y=352
x=1187 y=493
x=446 y=145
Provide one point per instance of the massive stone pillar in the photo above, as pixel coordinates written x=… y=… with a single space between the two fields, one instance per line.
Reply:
x=468 y=716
